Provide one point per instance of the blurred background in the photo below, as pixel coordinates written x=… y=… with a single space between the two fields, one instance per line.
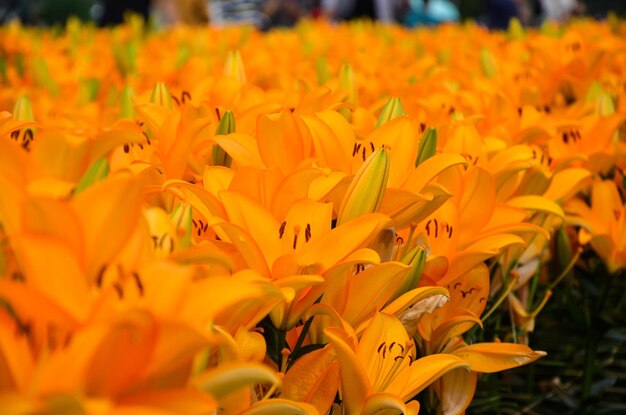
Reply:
x=266 y=14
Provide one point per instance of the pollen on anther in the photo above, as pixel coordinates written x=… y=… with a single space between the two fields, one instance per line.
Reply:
x=281 y=230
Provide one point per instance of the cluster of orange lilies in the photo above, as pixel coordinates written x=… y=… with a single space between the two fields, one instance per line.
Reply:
x=305 y=221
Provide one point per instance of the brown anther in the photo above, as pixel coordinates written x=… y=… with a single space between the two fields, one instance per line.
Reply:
x=126 y=148
x=176 y=100
x=398 y=357
x=307 y=232
x=422 y=127
x=399 y=240
x=450 y=233
x=363 y=154
x=281 y=230
x=194 y=223
x=427 y=227
x=456 y=285
x=15 y=134
x=391 y=346
x=217 y=112
x=118 y=289
x=100 y=276
x=436 y=228
x=372 y=147
x=138 y=282
x=296 y=231
x=185 y=96
x=354 y=150
x=380 y=347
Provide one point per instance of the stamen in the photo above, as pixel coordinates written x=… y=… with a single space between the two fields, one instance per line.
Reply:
x=363 y=153
x=307 y=232
x=119 y=290
x=422 y=127
x=354 y=150
x=138 y=282
x=391 y=346
x=217 y=112
x=176 y=100
x=380 y=347
x=296 y=231
x=372 y=147
x=100 y=276
x=126 y=148
x=427 y=227
x=185 y=96
x=281 y=230
x=436 y=228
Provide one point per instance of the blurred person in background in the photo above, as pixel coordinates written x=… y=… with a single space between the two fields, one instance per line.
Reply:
x=171 y=12
x=430 y=12
x=560 y=10
x=387 y=11
x=264 y=14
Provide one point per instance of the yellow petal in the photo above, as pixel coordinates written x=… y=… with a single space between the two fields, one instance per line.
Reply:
x=422 y=373
x=313 y=379
x=355 y=386
x=536 y=203
x=383 y=403
x=281 y=406
x=231 y=376
x=495 y=357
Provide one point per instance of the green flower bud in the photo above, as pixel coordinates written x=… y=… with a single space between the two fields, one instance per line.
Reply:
x=126 y=103
x=366 y=191
x=96 y=172
x=516 y=30
x=161 y=95
x=392 y=110
x=233 y=66
x=226 y=126
x=488 y=64
x=427 y=147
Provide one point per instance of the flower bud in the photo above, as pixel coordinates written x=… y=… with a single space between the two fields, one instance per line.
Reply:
x=488 y=64
x=416 y=259
x=22 y=110
x=126 y=103
x=427 y=147
x=392 y=110
x=96 y=172
x=516 y=30
x=161 y=95
x=226 y=126
x=233 y=66
x=366 y=191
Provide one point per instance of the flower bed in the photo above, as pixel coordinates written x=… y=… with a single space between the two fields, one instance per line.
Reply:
x=350 y=218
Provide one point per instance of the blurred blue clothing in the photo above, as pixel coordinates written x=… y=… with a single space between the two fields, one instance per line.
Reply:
x=434 y=12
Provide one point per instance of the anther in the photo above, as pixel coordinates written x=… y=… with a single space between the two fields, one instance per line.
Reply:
x=354 y=150
x=436 y=228
x=380 y=347
x=363 y=153
x=100 y=276
x=138 y=282
x=176 y=100
x=372 y=147
x=126 y=148
x=296 y=231
x=422 y=127
x=217 y=112
x=185 y=96
x=118 y=289
x=391 y=346
x=281 y=230
x=307 y=232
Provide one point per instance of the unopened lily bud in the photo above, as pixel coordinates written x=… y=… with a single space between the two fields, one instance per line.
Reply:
x=604 y=104
x=234 y=66
x=516 y=30
x=321 y=67
x=43 y=78
x=488 y=64
x=226 y=126
x=22 y=110
x=347 y=83
x=366 y=191
x=416 y=259
x=392 y=110
x=182 y=219
x=427 y=147
x=96 y=172
x=126 y=103
x=161 y=95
